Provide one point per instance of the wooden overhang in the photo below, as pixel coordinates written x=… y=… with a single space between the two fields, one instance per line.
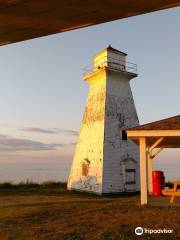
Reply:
x=160 y=134
x=167 y=129
x=27 y=19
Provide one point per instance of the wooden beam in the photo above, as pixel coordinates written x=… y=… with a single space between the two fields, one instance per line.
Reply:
x=143 y=171
x=152 y=133
x=150 y=157
x=156 y=143
x=156 y=153
x=149 y=172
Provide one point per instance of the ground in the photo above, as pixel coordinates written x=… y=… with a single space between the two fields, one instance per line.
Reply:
x=56 y=214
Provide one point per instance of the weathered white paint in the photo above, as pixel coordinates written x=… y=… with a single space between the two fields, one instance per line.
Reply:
x=91 y=139
x=114 y=162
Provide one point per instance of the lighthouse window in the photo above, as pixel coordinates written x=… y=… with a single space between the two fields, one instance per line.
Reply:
x=85 y=169
x=130 y=176
x=124 y=135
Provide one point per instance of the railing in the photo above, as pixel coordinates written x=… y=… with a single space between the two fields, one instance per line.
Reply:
x=110 y=63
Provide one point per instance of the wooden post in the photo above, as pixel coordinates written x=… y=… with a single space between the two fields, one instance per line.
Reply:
x=143 y=171
x=149 y=172
x=150 y=157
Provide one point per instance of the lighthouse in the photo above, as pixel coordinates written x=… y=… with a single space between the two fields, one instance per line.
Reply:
x=104 y=160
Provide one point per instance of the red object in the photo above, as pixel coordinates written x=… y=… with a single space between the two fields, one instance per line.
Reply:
x=158 y=182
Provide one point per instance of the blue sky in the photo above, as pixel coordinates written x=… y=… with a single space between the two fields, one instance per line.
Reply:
x=42 y=93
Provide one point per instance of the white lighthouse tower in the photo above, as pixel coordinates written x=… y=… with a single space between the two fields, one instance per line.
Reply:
x=103 y=162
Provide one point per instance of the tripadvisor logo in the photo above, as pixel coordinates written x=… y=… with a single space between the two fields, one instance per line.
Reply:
x=139 y=231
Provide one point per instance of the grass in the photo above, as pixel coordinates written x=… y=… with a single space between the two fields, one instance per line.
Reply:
x=29 y=185
x=48 y=211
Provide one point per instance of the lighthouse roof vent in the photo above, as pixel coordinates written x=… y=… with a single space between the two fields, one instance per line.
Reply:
x=115 y=50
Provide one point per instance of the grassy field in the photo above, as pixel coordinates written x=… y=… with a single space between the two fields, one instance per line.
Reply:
x=49 y=211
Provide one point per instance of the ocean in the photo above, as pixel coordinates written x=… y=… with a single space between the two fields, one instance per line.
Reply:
x=56 y=172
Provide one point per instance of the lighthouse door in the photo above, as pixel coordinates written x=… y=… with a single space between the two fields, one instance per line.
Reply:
x=130 y=179
x=130 y=175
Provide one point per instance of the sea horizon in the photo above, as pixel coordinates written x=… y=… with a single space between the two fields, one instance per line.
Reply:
x=16 y=173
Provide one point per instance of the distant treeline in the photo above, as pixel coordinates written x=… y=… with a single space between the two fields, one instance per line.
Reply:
x=31 y=185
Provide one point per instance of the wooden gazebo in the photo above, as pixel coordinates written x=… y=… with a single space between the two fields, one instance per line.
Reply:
x=160 y=134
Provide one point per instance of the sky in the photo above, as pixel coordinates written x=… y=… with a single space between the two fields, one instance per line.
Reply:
x=42 y=94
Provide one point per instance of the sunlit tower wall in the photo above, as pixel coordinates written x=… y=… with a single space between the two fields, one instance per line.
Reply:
x=103 y=161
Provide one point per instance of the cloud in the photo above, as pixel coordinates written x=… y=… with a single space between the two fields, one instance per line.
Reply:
x=51 y=131
x=72 y=144
x=3 y=136
x=65 y=131
x=39 y=130
x=10 y=144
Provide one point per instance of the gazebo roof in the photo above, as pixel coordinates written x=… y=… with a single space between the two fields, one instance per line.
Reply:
x=172 y=123
x=167 y=129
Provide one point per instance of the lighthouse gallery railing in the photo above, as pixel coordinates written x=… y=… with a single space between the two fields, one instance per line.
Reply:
x=110 y=63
